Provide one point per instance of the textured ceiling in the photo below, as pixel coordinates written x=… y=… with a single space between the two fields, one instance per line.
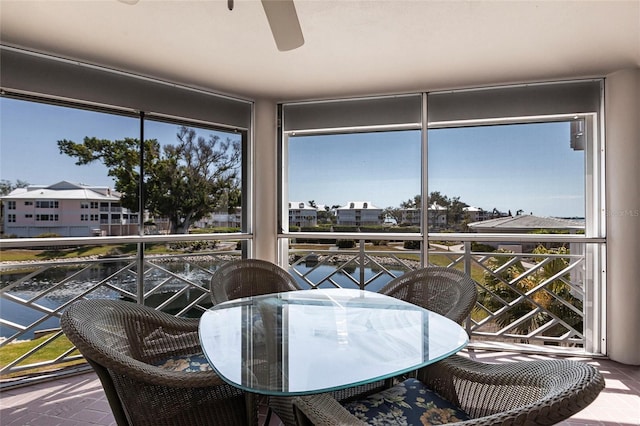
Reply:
x=351 y=47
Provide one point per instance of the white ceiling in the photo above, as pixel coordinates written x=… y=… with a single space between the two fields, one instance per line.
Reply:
x=352 y=47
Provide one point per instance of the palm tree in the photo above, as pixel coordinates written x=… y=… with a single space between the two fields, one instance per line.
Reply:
x=552 y=301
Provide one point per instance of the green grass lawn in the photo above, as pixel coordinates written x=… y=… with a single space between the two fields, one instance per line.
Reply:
x=51 y=351
x=16 y=255
x=12 y=255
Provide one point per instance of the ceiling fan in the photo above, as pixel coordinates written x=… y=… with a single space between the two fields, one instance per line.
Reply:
x=282 y=18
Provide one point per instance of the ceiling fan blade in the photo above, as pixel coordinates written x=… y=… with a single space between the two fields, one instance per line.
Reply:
x=128 y=1
x=284 y=23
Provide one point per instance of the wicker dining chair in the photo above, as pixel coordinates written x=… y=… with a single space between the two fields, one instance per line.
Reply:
x=445 y=291
x=253 y=277
x=151 y=366
x=249 y=277
x=540 y=392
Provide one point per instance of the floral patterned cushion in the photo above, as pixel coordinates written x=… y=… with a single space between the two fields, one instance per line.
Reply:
x=408 y=403
x=186 y=363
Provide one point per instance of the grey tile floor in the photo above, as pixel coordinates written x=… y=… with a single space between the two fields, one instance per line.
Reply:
x=80 y=401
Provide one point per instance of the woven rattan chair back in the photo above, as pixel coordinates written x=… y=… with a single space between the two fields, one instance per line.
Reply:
x=125 y=343
x=542 y=392
x=249 y=277
x=445 y=291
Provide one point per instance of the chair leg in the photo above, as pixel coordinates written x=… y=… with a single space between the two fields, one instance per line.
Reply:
x=251 y=403
x=267 y=419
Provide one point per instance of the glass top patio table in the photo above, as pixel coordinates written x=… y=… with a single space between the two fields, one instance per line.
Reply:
x=311 y=341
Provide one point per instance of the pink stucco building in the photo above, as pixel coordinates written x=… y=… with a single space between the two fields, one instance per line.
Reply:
x=66 y=209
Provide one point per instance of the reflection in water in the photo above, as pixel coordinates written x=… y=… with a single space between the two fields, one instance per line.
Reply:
x=347 y=277
x=120 y=275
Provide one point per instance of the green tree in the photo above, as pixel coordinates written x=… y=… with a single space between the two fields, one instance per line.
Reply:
x=6 y=186
x=435 y=197
x=503 y=287
x=455 y=213
x=393 y=212
x=182 y=182
x=505 y=284
x=325 y=215
x=412 y=203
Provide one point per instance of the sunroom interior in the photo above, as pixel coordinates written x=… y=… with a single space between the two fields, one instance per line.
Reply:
x=364 y=68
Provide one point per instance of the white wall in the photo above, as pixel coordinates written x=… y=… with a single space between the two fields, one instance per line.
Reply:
x=622 y=110
x=265 y=181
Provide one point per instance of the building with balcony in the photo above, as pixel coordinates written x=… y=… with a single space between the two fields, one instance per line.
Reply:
x=302 y=214
x=221 y=219
x=475 y=214
x=359 y=213
x=410 y=216
x=437 y=217
x=67 y=210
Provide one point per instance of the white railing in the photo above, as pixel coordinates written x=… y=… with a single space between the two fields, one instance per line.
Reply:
x=35 y=294
x=539 y=298
x=524 y=297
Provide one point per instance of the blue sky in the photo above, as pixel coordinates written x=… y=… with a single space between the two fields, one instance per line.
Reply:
x=28 y=142
x=526 y=167
x=30 y=131
x=382 y=168
x=529 y=167
x=510 y=167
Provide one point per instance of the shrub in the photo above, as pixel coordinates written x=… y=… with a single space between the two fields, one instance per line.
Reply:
x=193 y=246
x=482 y=247
x=373 y=228
x=412 y=245
x=345 y=244
x=48 y=235
x=345 y=228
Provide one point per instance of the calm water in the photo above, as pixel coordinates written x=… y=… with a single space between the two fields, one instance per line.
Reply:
x=25 y=316
x=323 y=271
x=19 y=314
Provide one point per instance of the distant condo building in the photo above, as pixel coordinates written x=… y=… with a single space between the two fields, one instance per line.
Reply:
x=410 y=216
x=437 y=217
x=228 y=219
x=67 y=210
x=302 y=214
x=476 y=214
x=359 y=213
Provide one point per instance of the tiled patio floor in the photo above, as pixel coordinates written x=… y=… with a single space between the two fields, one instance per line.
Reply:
x=80 y=401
